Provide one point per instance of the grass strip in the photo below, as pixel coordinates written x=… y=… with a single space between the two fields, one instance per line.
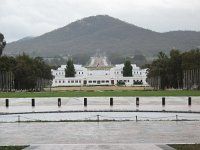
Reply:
x=12 y=147
x=186 y=146
x=97 y=93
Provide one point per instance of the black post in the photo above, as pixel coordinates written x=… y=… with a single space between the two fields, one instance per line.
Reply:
x=98 y=118
x=189 y=101
x=176 y=117
x=33 y=102
x=163 y=101
x=111 y=101
x=59 y=102
x=137 y=101
x=7 y=102
x=85 y=102
x=18 y=118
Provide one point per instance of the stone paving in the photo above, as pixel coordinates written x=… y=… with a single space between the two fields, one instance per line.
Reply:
x=129 y=132
x=99 y=147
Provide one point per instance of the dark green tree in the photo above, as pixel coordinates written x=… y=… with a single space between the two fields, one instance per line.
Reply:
x=159 y=68
x=127 y=69
x=175 y=70
x=2 y=43
x=70 y=70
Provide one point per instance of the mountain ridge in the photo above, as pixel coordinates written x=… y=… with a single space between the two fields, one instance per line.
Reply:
x=106 y=33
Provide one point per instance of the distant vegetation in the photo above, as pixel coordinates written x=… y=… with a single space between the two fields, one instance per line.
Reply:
x=127 y=69
x=23 y=73
x=70 y=70
x=2 y=43
x=178 y=70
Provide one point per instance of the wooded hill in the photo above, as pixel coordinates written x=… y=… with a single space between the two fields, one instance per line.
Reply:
x=107 y=34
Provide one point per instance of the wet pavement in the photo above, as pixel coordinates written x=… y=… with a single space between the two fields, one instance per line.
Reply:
x=100 y=104
x=131 y=132
x=99 y=147
x=100 y=116
x=123 y=135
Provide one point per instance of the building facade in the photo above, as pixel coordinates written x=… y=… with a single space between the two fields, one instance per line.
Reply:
x=99 y=76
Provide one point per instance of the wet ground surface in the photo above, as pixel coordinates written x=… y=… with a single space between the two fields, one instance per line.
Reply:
x=100 y=116
x=99 y=147
x=113 y=135
x=131 y=132
x=100 y=104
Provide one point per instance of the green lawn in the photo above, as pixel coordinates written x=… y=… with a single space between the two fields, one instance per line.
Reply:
x=97 y=93
x=186 y=146
x=12 y=147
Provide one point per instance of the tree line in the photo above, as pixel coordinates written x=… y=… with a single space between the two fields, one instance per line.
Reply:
x=178 y=70
x=23 y=73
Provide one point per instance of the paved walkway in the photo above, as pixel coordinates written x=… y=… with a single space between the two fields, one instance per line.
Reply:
x=130 y=132
x=99 y=147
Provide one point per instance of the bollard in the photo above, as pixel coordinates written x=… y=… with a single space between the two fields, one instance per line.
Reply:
x=7 y=102
x=163 y=101
x=59 y=102
x=18 y=118
x=189 y=101
x=111 y=101
x=98 y=118
x=137 y=101
x=33 y=102
x=85 y=102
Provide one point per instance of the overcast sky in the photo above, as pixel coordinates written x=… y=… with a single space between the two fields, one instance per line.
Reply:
x=21 y=18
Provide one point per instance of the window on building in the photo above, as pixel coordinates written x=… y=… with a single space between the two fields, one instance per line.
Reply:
x=140 y=72
x=102 y=81
x=68 y=81
x=107 y=81
x=82 y=72
x=79 y=81
x=90 y=81
x=76 y=81
x=55 y=81
x=94 y=81
x=63 y=81
x=59 y=81
x=72 y=81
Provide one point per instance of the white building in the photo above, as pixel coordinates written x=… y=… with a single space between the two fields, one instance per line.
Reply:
x=104 y=75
